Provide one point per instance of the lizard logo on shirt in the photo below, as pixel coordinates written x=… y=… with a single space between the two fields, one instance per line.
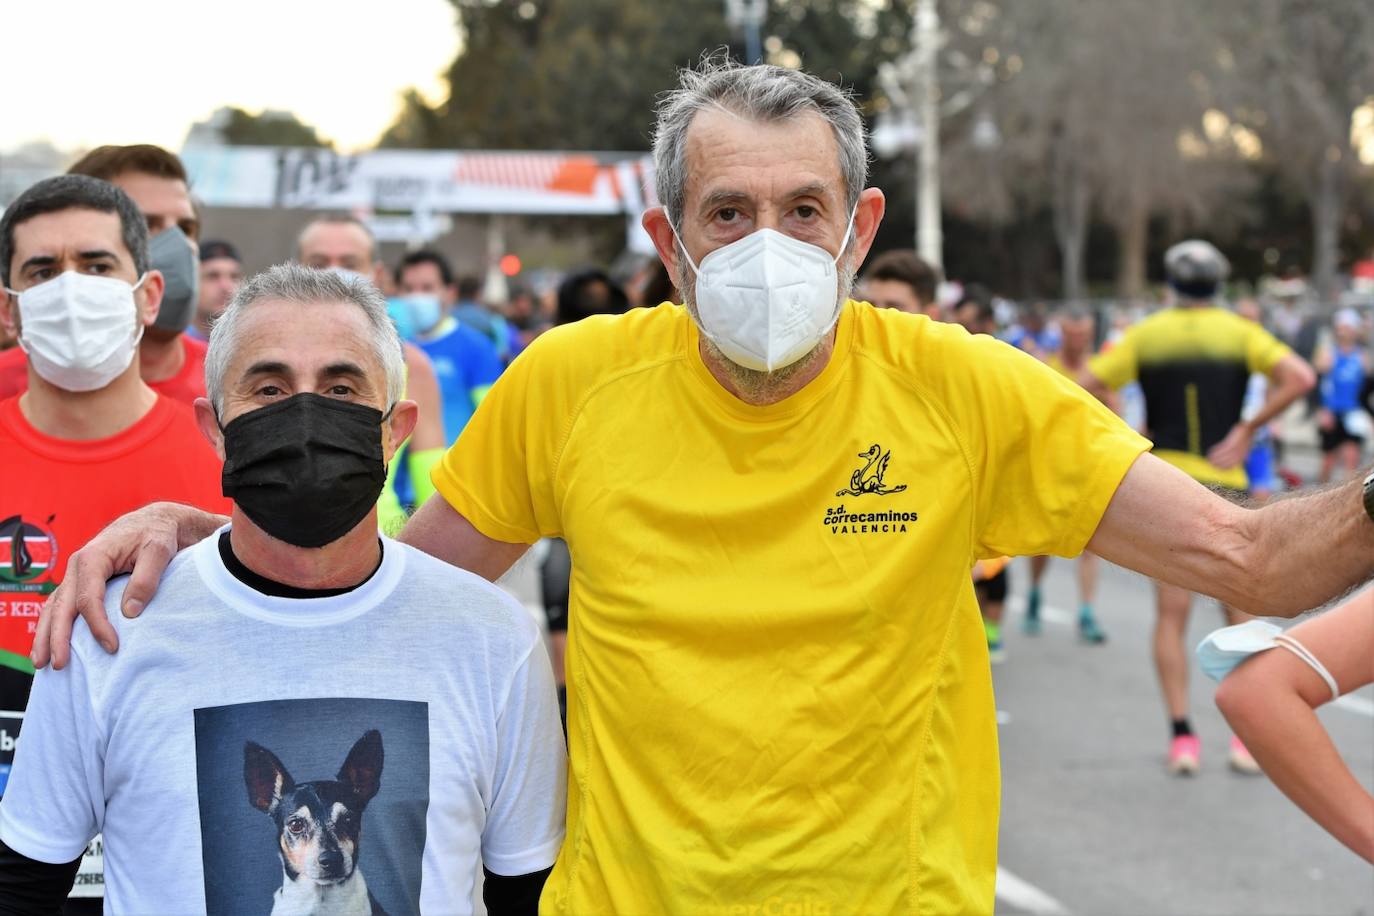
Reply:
x=869 y=478
x=27 y=551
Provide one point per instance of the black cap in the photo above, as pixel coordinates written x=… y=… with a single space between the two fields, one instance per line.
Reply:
x=218 y=248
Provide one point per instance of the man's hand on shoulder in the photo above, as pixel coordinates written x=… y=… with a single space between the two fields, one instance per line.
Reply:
x=142 y=543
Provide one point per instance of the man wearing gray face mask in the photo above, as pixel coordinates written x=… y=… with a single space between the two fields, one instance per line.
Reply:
x=170 y=362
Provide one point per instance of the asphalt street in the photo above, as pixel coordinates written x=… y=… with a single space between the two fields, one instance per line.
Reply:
x=1091 y=822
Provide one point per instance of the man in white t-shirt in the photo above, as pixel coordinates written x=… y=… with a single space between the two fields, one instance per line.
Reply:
x=271 y=739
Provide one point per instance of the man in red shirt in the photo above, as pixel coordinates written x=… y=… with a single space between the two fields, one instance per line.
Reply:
x=171 y=362
x=88 y=440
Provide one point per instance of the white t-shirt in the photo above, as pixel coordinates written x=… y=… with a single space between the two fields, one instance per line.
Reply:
x=245 y=753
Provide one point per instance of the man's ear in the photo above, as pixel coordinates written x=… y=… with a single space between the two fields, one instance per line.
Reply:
x=148 y=297
x=9 y=314
x=398 y=428
x=867 y=217
x=209 y=425
x=655 y=222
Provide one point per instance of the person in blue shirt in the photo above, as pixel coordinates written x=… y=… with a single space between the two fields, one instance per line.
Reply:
x=1342 y=422
x=465 y=361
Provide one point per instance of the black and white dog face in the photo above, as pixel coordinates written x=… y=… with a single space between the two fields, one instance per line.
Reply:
x=319 y=823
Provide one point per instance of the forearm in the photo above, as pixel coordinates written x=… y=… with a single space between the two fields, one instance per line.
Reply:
x=32 y=888
x=192 y=525
x=1282 y=732
x=1279 y=398
x=1306 y=551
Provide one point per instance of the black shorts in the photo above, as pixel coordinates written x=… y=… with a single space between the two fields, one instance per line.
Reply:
x=1337 y=436
x=994 y=589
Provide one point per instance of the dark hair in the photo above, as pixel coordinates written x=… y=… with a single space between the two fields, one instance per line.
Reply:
x=426 y=256
x=218 y=248
x=659 y=287
x=589 y=292
x=977 y=294
x=905 y=266
x=67 y=192
x=469 y=287
x=109 y=162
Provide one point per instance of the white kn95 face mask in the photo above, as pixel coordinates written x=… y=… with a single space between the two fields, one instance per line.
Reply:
x=80 y=331
x=767 y=300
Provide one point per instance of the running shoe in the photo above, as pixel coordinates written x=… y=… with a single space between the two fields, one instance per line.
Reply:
x=1185 y=755
x=1030 y=625
x=1240 y=758
x=997 y=653
x=1088 y=629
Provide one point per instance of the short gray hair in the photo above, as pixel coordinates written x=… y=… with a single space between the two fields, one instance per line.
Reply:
x=762 y=93
x=304 y=286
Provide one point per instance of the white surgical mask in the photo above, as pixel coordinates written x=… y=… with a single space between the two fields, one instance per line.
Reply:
x=767 y=300
x=80 y=331
x=1222 y=650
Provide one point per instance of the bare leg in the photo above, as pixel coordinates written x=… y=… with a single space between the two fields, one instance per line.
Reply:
x=1350 y=452
x=1031 y=625
x=1038 y=566
x=1172 y=605
x=1088 y=566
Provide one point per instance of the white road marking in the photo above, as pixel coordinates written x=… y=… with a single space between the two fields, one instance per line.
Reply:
x=1022 y=895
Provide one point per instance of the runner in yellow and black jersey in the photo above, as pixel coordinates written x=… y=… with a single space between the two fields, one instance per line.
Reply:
x=1193 y=362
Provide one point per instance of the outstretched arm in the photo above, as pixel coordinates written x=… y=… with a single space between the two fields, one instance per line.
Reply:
x=1270 y=700
x=141 y=543
x=1285 y=558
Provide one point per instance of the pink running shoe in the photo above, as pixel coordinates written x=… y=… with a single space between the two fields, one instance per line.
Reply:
x=1240 y=758
x=1185 y=755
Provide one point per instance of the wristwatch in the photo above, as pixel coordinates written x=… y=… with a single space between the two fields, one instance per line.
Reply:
x=1369 y=496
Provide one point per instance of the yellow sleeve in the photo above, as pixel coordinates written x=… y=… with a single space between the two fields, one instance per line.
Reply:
x=499 y=474
x=1046 y=456
x=1263 y=350
x=1117 y=367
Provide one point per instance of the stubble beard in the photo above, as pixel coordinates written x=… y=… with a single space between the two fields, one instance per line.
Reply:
x=759 y=386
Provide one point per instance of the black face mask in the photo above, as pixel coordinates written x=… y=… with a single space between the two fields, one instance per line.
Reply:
x=306 y=469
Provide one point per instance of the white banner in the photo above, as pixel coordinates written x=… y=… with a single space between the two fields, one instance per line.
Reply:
x=435 y=181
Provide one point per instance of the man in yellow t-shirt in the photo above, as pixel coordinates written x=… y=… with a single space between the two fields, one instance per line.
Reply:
x=1193 y=362
x=779 y=698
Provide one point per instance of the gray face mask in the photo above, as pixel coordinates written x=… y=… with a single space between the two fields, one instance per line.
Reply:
x=172 y=253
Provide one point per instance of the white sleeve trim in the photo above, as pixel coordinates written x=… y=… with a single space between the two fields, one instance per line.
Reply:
x=36 y=846
x=534 y=859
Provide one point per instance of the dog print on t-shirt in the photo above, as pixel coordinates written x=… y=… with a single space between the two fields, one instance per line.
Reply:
x=313 y=806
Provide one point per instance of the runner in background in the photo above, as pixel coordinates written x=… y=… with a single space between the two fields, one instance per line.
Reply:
x=1076 y=347
x=1194 y=361
x=466 y=363
x=1261 y=464
x=902 y=280
x=1343 y=367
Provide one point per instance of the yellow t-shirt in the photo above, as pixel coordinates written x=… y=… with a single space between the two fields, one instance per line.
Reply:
x=778 y=686
x=1193 y=365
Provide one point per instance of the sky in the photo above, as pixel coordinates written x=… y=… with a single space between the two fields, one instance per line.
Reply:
x=84 y=72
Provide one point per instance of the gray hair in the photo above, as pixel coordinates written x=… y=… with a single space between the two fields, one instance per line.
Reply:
x=761 y=93
x=304 y=286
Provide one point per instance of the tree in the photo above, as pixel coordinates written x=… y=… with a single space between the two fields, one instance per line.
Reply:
x=1303 y=68
x=1093 y=100
x=584 y=75
x=270 y=128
